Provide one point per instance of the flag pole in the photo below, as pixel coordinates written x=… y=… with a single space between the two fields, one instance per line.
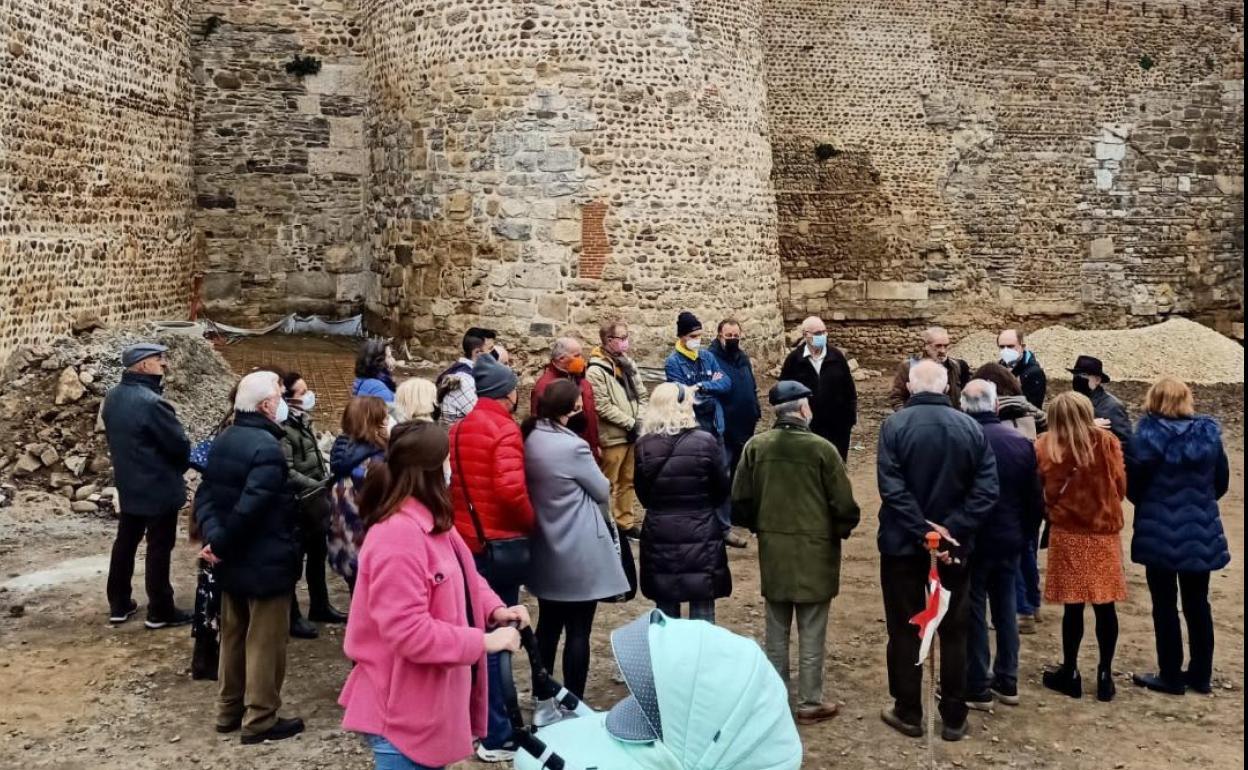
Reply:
x=932 y=542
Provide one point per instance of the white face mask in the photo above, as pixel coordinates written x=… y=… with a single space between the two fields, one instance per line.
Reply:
x=446 y=471
x=283 y=411
x=1009 y=356
x=693 y=343
x=309 y=401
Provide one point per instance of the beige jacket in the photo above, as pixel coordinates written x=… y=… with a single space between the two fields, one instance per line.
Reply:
x=617 y=412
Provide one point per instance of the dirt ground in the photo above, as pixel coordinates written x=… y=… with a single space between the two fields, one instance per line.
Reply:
x=77 y=693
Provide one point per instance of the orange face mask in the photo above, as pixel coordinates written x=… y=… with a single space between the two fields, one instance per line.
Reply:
x=576 y=366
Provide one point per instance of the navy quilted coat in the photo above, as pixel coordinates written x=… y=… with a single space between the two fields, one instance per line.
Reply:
x=1176 y=471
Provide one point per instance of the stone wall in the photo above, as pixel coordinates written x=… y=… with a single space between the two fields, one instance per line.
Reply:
x=536 y=167
x=95 y=164
x=974 y=161
x=280 y=158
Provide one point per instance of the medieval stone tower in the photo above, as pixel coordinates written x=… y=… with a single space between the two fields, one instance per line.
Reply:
x=536 y=165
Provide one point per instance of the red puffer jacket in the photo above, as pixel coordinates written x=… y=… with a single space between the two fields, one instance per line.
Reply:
x=487 y=460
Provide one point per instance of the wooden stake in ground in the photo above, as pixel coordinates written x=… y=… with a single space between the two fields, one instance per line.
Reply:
x=928 y=620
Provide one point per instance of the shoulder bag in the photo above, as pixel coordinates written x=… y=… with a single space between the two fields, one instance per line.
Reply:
x=505 y=561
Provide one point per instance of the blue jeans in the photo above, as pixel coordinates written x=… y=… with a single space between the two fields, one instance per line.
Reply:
x=1027 y=591
x=992 y=585
x=498 y=729
x=387 y=757
x=700 y=610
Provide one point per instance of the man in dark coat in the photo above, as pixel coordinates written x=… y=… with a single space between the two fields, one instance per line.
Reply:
x=935 y=348
x=1011 y=523
x=1022 y=362
x=150 y=452
x=825 y=371
x=246 y=513
x=741 y=409
x=936 y=472
x=1088 y=377
x=792 y=490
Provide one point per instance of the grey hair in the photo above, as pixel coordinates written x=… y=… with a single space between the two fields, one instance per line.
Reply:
x=932 y=331
x=979 y=396
x=560 y=347
x=790 y=407
x=255 y=389
x=927 y=376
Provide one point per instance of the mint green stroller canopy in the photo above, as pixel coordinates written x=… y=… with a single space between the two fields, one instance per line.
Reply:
x=702 y=698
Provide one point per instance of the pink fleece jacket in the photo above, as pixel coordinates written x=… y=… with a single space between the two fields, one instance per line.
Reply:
x=413 y=647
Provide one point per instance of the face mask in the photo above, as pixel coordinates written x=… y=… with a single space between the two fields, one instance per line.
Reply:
x=1080 y=384
x=309 y=401
x=1009 y=356
x=693 y=343
x=578 y=422
x=732 y=346
x=495 y=354
x=515 y=403
x=621 y=346
x=283 y=411
x=576 y=366
x=446 y=472
x=819 y=341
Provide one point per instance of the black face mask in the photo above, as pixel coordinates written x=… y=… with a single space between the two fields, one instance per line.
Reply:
x=732 y=346
x=578 y=422
x=1080 y=384
x=495 y=354
x=515 y=406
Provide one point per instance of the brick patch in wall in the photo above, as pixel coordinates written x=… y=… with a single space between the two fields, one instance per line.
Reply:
x=595 y=248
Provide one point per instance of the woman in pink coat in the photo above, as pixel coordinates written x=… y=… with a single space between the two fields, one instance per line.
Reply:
x=420 y=620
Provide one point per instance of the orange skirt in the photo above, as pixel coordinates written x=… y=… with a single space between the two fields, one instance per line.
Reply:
x=1084 y=569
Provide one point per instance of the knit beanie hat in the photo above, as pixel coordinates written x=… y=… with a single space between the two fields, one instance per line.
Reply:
x=493 y=380
x=687 y=323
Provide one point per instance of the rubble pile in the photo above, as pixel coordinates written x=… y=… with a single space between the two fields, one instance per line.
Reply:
x=50 y=398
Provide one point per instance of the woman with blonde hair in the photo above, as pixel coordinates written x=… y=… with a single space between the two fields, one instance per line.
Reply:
x=681 y=479
x=417 y=400
x=1084 y=479
x=1176 y=471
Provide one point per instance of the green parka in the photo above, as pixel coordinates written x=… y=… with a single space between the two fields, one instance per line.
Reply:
x=791 y=489
x=308 y=471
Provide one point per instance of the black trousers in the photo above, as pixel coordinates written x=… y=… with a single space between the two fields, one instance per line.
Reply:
x=160 y=532
x=313 y=552
x=1166 y=587
x=574 y=621
x=904 y=580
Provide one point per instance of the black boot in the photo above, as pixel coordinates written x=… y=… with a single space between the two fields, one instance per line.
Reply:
x=1065 y=680
x=326 y=614
x=1105 y=688
x=204 y=659
x=300 y=628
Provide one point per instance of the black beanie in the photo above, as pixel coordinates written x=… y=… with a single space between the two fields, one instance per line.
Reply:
x=686 y=323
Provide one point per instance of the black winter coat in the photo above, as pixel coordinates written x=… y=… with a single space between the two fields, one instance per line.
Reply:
x=741 y=409
x=933 y=464
x=1033 y=379
x=148 y=446
x=246 y=511
x=835 y=403
x=681 y=480
x=1020 y=505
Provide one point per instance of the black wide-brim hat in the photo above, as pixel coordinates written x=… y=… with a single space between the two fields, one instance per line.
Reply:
x=1089 y=365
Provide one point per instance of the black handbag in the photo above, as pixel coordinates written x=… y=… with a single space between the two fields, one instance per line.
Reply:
x=503 y=562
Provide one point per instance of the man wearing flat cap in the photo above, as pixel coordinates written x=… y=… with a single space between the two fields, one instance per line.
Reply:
x=791 y=489
x=150 y=452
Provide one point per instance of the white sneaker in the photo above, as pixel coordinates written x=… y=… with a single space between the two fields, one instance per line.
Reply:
x=547 y=713
x=495 y=755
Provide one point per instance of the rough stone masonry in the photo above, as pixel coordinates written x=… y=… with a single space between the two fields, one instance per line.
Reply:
x=537 y=165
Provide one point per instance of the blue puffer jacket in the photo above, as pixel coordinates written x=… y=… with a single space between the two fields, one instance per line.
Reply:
x=1176 y=472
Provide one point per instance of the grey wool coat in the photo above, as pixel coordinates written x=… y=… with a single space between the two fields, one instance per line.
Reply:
x=574 y=553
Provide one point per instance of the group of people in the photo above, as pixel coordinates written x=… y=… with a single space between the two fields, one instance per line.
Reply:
x=436 y=506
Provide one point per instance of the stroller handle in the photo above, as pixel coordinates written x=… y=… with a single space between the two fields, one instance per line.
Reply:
x=544 y=687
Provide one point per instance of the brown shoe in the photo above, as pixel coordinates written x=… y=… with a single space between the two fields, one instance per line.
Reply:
x=809 y=715
x=734 y=540
x=1026 y=625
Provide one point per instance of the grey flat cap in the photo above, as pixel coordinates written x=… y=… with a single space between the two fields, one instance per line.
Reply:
x=136 y=353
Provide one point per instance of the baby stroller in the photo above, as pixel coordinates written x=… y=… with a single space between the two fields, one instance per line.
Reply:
x=701 y=698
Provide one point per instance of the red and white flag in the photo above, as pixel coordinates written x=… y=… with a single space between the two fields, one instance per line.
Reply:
x=929 y=619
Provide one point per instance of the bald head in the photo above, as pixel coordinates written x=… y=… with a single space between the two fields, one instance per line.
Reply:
x=935 y=343
x=979 y=396
x=927 y=376
x=815 y=334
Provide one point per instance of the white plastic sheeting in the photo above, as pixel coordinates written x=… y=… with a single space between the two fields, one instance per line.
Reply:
x=291 y=324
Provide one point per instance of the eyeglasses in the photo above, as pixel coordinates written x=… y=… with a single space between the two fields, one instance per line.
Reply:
x=618 y=337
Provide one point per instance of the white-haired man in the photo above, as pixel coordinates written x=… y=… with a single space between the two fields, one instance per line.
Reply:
x=246 y=516
x=824 y=369
x=567 y=362
x=935 y=472
x=935 y=348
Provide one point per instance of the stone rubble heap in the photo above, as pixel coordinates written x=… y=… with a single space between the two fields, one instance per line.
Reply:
x=1177 y=347
x=50 y=399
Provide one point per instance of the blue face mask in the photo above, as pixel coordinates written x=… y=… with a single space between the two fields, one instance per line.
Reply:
x=819 y=341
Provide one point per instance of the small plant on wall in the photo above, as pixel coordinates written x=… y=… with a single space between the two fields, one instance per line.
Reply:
x=303 y=65
x=1147 y=63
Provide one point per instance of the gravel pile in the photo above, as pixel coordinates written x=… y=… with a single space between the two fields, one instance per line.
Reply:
x=50 y=399
x=1177 y=347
